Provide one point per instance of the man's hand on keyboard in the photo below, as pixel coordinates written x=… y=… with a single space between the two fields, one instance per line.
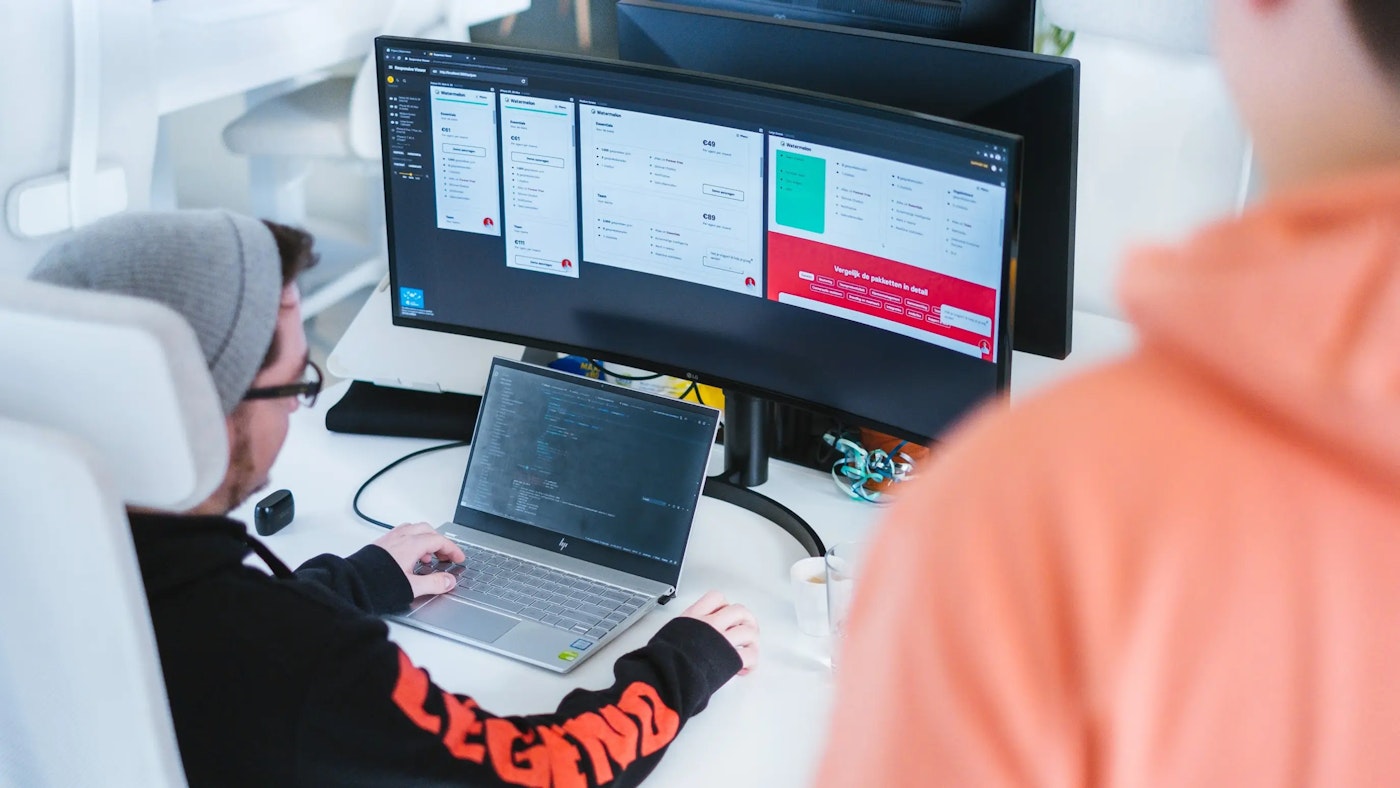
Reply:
x=735 y=622
x=415 y=544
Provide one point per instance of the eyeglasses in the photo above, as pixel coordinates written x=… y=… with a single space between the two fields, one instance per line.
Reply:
x=305 y=391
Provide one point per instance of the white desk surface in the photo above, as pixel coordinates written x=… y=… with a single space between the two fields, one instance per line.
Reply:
x=764 y=729
x=209 y=49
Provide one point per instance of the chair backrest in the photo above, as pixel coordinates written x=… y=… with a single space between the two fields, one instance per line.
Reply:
x=105 y=401
x=82 y=701
x=123 y=374
x=1160 y=147
x=79 y=138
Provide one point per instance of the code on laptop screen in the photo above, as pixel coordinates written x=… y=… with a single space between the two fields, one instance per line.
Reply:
x=588 y=462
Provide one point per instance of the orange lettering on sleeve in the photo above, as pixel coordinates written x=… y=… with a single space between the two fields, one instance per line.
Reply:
x=462 y=723
x=528 y=766
x=563 y=759
x=658 y=722
x=607 y=741
x=411 y=693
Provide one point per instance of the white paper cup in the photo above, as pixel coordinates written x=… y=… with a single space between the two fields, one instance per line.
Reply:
x=809 y=596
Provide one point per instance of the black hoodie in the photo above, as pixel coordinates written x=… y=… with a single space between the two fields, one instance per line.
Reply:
x=291 y=680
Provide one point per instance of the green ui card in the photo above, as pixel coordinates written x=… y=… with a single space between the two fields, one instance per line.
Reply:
x=801 y=192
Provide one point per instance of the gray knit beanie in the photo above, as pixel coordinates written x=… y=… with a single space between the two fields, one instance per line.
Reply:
x=218 y=270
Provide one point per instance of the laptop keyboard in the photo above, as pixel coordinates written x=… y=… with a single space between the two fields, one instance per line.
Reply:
x=540 y=593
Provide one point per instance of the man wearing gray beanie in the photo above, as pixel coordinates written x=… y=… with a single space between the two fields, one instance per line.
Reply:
x=218 y=270
x=290 y=678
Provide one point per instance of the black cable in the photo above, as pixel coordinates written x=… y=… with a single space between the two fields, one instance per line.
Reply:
x=595 y=362
x=355 y=502
x=694 y=387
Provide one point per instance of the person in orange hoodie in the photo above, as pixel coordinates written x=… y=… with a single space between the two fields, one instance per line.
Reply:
x=1182 y=568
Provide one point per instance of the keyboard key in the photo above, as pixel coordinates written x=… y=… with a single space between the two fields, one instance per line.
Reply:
x=594 y=611
x=474 y=595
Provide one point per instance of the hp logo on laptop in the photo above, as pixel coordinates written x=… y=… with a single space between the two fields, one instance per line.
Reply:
x=563 y=543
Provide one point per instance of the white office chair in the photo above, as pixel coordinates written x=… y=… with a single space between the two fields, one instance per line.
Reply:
x=105 y=401
x=332 y=119
x=79 y=135
x=1160 y=148
x=337 y=119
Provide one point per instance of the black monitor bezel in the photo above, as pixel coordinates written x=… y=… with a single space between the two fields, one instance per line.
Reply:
x=1012 y=142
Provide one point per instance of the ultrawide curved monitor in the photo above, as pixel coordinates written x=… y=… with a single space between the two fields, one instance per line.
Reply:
x=1033 y=96
x=849 y=258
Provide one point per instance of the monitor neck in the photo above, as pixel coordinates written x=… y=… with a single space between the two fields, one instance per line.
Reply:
x=747 y=427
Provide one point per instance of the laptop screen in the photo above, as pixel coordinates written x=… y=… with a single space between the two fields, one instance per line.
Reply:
x=589 y=469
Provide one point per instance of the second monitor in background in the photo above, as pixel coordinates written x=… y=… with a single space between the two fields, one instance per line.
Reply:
x=996 y=23
x=1034 y=96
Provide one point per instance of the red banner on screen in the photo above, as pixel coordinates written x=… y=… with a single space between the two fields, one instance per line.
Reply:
x=874 y=286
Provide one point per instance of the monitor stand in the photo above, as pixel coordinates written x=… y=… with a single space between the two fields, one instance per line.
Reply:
x=747 y=425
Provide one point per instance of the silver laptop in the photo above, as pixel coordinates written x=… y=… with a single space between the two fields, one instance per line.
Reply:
x=574 y=513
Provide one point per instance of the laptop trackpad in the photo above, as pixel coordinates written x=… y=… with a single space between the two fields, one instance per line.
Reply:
x=466 y=620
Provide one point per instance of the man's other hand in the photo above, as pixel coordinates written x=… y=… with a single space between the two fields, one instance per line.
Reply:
x=735 y=622
x=412 y=544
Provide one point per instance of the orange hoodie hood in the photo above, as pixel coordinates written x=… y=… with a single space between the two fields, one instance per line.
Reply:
x=1295 y=307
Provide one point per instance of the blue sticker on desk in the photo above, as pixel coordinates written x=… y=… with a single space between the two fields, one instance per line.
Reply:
x=410 y=298
x=581 y=644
